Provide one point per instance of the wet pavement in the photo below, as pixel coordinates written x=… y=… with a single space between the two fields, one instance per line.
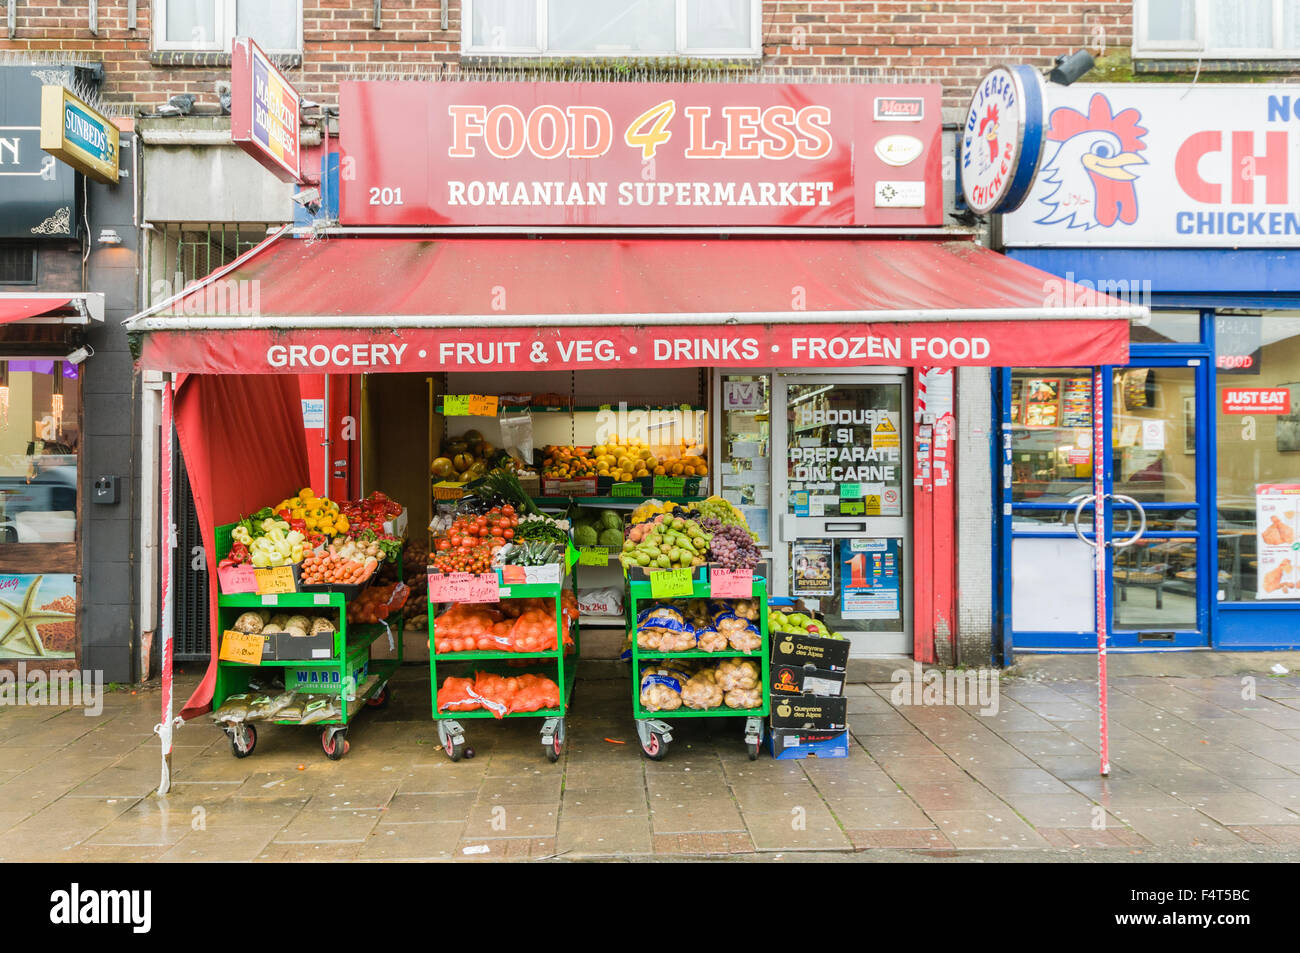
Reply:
x=1201 y=767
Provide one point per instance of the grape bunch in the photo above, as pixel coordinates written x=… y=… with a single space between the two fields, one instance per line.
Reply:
x=733 y=547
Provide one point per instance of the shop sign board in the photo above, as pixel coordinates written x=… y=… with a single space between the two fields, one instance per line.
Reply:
x=265 y=111
x=39 y=197
x=1046 y=343
x=1002 y=138
x=640 y=154
x=1135 y=164
x=1277 y=528
x=78 y=134
x=41 y=615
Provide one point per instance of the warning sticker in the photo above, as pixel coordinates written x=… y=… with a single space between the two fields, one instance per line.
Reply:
x=885 y=434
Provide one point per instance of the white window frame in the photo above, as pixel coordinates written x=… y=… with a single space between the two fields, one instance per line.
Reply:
x=1200 y=48
x=541 y=48
x=225 y=20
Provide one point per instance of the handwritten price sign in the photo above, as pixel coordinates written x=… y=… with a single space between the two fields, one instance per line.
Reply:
x=274 y=581
x=241 y=647
x=731 y=583
x=236 y=579
x=464 y=587
x=671 y=583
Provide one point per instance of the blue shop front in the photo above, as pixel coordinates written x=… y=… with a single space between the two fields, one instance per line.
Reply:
x=1185 y=198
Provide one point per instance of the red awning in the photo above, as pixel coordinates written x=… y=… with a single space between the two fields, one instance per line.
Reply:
x=355 y=304
x=17 y=307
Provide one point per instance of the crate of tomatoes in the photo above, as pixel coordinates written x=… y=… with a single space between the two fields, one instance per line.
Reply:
x=470 y=542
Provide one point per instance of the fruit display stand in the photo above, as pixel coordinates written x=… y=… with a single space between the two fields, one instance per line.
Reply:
x=451 y=733
x=653 y=732
x=350 y=654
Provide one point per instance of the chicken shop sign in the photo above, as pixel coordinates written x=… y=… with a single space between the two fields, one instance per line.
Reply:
x=1213 y=165
x=633 y=154
x=1002 y=139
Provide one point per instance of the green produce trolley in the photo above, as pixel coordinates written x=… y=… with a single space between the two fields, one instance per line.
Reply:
x=351 y=655
x=653 y=732
x=451 y=733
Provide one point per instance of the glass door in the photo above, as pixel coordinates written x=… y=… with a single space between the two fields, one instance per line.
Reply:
x=1153 y=414
x=842 y=504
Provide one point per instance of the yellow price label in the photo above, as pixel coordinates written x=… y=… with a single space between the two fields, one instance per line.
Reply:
x=593 y=555
x=241 y=647
x=671 y=583
x=274 y=581
x=455 y=405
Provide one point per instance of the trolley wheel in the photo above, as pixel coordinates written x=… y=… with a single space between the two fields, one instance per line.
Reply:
x=335 y=743
x=753 y=745
x=455 y=748
x=555 y=747
x=243 y=739
x=379 y=699
x=655 y=748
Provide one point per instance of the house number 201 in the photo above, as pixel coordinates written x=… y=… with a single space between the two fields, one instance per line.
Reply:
x=380 y=196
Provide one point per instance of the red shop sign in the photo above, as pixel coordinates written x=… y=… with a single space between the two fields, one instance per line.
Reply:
x=417 y=153
x=355 y=350
x=1256 y=400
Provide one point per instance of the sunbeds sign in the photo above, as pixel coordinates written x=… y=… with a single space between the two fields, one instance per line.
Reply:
x=639 y=154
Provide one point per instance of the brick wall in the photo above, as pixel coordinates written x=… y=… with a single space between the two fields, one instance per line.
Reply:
x=949 y=42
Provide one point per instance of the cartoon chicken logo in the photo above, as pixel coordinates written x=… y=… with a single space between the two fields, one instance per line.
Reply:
x=988 y=131
x=1091 y=168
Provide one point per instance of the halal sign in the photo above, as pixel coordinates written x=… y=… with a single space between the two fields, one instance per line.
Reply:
x=1002 y=140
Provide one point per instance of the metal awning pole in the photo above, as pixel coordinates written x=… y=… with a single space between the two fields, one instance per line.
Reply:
x=168 y=593
x=1099 y=556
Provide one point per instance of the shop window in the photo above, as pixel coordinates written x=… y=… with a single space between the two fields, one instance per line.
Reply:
x=1051 y=436
x=17 y=263
x=1166 y=327
x=604 y=28
x=1217 y=28
x=212 y=25
x=40 y=435
x=1257 y=401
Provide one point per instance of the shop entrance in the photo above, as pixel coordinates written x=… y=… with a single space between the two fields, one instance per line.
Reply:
x=1158 y=594
x=842 y=503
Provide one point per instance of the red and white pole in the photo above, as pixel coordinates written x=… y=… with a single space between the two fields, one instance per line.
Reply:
x=167 y=558
x=1099 y=556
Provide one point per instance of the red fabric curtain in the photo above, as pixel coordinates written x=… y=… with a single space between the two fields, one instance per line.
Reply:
x=245 y=448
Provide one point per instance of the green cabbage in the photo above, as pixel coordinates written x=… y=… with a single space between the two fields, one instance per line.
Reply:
x=612 y=538
x=586 y=536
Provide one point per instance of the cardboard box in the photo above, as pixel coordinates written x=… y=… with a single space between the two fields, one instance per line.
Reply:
x=324 y=681
x=810 y=712
x=789 y=745
x=296 y=648
x=806 y=679
x=799 y=649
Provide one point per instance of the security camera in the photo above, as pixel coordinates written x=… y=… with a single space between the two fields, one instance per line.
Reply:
x=308 y=199
x=79 y=355
x=1071 y=66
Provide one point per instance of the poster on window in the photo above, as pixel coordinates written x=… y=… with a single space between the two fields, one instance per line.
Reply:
x=1042 y=407
x=38 y=616
x=1076 y=402
x=869 y=583
x=811 y=568
x=1277 y=528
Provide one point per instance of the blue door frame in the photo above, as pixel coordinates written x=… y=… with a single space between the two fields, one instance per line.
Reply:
x=1198 y=356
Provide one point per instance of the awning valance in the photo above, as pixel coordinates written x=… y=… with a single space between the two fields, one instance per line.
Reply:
x=362 y=304
x=52 y=308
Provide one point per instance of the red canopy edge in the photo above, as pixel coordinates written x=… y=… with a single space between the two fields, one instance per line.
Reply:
x=415 y=304
x=18 y=307
x=244 y=448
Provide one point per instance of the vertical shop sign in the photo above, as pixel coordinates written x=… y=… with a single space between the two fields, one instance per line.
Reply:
x=1277 y=529
x=265 y=111
x=812 y=568
x=40 y=616
x=869 y=581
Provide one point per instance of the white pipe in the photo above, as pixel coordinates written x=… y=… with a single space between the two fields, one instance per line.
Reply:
x=168 y=593
x=399 y=322
x=150 y=414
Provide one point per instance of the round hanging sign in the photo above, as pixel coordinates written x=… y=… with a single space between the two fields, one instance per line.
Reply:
x=1002 y=140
